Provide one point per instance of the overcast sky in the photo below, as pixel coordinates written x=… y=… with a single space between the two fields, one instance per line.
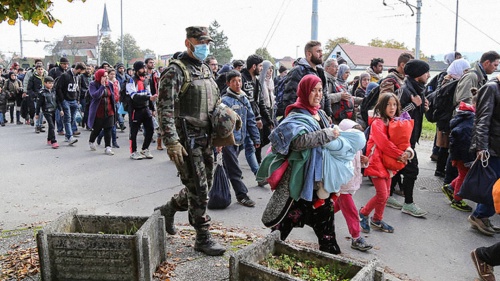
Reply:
x=159 y=25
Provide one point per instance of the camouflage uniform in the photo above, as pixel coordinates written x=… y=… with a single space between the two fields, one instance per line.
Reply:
x=170 y=106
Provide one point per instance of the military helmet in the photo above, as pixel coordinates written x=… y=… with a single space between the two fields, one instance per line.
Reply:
x=224 y=121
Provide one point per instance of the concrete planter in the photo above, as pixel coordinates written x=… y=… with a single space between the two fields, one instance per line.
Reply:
x=244 y=264
x=78 y=247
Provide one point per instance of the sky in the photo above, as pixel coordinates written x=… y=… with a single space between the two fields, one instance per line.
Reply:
x=160 y=25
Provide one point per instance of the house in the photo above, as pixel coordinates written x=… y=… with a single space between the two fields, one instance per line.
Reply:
x=77 y=46
x=286 y=61
x=359 y=57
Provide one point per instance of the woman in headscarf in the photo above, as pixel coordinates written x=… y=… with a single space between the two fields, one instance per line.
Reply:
x=345 y=107
x=267 y=87
x=454 y=72
x=299 y=196
x=102 y=110
x=13 y=88
x=342 y=75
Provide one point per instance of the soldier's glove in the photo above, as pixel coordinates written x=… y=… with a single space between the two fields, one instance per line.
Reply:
x=176 y=152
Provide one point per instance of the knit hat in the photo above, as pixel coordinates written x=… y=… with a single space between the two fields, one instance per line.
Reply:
x=225 y=68
x=282 y=69
x=63 y=60
x=139 y=65
x=416 y=68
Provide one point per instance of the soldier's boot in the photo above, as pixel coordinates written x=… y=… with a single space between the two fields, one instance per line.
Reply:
x=206 y=244
x=168 y=212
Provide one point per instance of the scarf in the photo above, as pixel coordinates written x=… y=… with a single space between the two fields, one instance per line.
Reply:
x=306 y=85
x=373 y=74
x=457 y=68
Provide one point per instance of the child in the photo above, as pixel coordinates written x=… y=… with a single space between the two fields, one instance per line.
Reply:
x=344 y=200
x=3 y=107
x=49 y=104
x=387 y=108
x=462 y=126
x=236 y=99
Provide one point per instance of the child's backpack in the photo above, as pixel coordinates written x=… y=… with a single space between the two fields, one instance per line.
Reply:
x=343 y=109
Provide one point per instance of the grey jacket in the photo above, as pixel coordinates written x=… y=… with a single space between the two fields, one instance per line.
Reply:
x=468 y=81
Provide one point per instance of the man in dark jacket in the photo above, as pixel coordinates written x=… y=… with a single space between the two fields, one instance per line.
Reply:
x=56 y=72
x=413 y=101
x=83 y=81
x=485 y=139
x=311 y=64
x=67 y=94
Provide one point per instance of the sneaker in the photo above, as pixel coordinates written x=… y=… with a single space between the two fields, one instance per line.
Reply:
x=137 y=156
x=447 y=190
x=76 y=133
x=147 y=154
x=92 y=146
x=247 y=202
x=37 y=130
x=393 y=203
x=71 y=140
x=484 y=270
x=382 y=226
x=61 y=133
x=461 y=206
x=109 y=151
x=55 y=145
x=49 y=142
x=413 y=210
x=488 y=223
x=42 y=130
x=480 y=225
x=360 y=244
x=440 y=174
x=363 y=222
x=19 y=123
x=115 y=145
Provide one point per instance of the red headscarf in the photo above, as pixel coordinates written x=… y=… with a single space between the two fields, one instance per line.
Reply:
x=306 y=85
x=99 y=74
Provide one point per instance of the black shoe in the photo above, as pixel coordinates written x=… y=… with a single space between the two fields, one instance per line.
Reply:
x=247 y=202
x=204 y=243
x=115 y=145
x=37 y=129
x=439 y=174
x=42 y=130
x=3 y=124
x=98 y=141
x=168 y=212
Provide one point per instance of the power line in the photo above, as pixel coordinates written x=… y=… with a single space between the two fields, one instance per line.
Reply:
x=275 y=25
x=272 y=25
x=278 y=23
x=466 y=21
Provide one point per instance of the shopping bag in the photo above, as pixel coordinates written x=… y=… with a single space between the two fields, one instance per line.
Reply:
x=478 y=183
x=78 y=116
x=219 y=196
x=121 y=109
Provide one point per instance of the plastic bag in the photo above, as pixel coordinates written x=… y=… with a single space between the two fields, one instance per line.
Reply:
x=478 y=183
x=78 y=116
x=219 y=196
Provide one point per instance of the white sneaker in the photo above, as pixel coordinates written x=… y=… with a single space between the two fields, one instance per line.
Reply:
x=71 y=140
x=109 y=151
x=92 y=146
x=137 y=156
x=147 y=154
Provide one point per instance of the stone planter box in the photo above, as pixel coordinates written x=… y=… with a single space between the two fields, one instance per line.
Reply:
x=244 y=264
x=86 y=247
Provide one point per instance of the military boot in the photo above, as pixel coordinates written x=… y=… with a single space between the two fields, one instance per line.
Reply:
x=204 y=243
x=168 y=212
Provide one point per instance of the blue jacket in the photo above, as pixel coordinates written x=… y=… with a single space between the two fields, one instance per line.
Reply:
x=241 y=105
x=462 y=126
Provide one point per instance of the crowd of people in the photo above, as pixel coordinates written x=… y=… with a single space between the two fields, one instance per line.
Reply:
x=312 y=115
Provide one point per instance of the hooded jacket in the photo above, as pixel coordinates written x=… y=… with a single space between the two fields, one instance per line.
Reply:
x=462 y=126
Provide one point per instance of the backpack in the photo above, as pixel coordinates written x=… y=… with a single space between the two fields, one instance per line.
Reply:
x=371 y=99
x=343 y=109
x=279 y=92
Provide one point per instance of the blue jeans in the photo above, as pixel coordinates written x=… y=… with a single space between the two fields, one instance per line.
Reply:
x=59 y=122
x=1 y=118
x=250 y=155
x=69 y=108
x=487 y=210
x=39 y=121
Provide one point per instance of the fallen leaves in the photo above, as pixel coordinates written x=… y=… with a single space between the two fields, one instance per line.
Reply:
x=19 y=263
x=165 y=271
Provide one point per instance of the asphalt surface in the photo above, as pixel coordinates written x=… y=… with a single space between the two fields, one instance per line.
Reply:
x=39 y=183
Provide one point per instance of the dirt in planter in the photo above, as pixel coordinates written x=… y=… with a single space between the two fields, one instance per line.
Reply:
x=305 y=269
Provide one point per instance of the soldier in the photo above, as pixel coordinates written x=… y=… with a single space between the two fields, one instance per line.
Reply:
x=188 y=94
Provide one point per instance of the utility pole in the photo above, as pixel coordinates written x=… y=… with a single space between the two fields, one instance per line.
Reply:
x=121 y=36
x=21 y=37
x=314 y=20
x=98 y=46
x=419 y=13
x=456 y=28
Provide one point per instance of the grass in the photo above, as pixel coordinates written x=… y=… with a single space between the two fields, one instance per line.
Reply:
x=428 y=130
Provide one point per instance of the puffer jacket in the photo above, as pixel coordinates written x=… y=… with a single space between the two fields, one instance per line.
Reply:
x=461 y=127
x=379 y=144
x=487 y=122
x=240 y=104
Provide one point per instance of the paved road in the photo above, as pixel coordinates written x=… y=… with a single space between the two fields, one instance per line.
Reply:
x=38 y=183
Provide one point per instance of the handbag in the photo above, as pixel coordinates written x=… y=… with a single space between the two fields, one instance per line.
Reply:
x=478 y=183
x=219 y=196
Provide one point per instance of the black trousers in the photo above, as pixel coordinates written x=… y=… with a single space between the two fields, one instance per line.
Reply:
x=490 y=255
x=51 y=119
x=105 y=124
x=137 y=117
x=406 y=179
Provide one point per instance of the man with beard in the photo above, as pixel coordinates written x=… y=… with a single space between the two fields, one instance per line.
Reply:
x=54 y=73
x=121 y=75
x=84 y=81
x=311 y=64
x=375 y=68
x=141 y=111
x=413 y=101
x=67 y=94
x=214 y=65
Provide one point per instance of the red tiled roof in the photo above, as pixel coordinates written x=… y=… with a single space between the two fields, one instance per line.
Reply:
x=362 y=55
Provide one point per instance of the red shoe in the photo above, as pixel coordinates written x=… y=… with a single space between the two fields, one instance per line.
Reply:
x=49 y=143
x=55 y=145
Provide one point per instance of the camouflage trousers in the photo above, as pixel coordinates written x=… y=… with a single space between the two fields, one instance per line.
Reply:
x=194 y=196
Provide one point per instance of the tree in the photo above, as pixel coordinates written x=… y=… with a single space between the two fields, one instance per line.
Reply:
x=130 y=48
x=265 y=54
x=109 y=51
x=34 y=11
x=148 y=53
x=330 y=45
x=52 y=48
x=391 y=43
x=219 y=47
